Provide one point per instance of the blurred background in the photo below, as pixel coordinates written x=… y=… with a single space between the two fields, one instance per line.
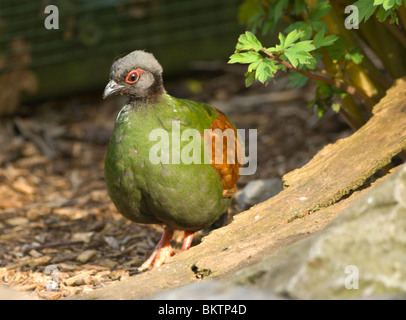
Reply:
x=55 y=126
x=77 y=57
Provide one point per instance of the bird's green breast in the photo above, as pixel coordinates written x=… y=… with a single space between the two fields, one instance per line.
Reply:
x=147 y=184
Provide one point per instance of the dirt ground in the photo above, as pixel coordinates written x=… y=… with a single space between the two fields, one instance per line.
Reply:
x=61 y=235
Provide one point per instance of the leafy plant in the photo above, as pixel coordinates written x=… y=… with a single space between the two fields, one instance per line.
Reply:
x=317 y=45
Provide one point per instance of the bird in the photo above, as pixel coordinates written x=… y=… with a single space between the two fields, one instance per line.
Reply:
x=178 y=194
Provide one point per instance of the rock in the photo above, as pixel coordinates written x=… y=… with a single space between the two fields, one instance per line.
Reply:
x=213 y=290
x=257 y=191
x=86 y=255
x=361 y=254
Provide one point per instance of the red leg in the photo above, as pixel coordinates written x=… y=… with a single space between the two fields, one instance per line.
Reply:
x=162 y=251
x=187 y=240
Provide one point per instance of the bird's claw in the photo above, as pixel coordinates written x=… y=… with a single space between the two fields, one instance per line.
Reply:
x=157 y=258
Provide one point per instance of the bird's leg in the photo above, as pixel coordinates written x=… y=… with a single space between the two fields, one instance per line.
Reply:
x=187 y=240
x=162 y=251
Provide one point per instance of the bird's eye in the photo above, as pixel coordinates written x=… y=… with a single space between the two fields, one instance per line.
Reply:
x=133 y=76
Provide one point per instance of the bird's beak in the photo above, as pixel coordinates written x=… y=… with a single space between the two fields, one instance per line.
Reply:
x=112 y=87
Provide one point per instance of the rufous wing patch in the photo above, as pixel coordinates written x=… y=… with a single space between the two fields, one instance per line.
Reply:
x=225 y=151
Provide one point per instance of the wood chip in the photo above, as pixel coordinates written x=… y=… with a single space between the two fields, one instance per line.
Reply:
x=34 y=253
x=17 y=221
x=23 y=186
x=66 y=267
x=26 y=287
x=86 y=256
x=112 y=242
x=77 y=279
x=39 y=261
x=82 y=236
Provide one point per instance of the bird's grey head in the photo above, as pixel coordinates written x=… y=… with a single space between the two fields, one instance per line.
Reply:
x=138 y=76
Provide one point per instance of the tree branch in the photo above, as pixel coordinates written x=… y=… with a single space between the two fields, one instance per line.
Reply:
x=396 y=33
x=367 y=101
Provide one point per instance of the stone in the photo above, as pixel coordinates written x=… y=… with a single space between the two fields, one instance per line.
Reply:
x=257 y=191
x=361 y=254
x=214 y=290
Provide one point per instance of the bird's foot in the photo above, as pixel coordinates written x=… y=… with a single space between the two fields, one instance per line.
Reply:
x=187 y=240
x=161 y=253
x=164 y=249
x=157 y=258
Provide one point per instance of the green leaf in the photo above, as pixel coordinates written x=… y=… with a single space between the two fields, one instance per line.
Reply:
x=305 y=46
x=311 y=63
x=337 y=51
x=249 y=78
x=289 y=44
x=320 y=41
x=297 y=80
x=254 y=65
x=318 y=38
x=388 y=4
x=301 y=26
x=245 y=57
x=319 y=11
x=247 y=9
x=299 y=53
x=267 y=27
x=319 y=25
x=329 y=40
x=299 y=7
x=321 y=110
x=355 y=57
x=281 y=45
x=274 y=50
x=265 y=70
x=295 y=58
x=382 y=14
x=336 y=107
x=291 y=38
x=278 y=9
x=365 y=9
x=393 y=20
x=248 y=41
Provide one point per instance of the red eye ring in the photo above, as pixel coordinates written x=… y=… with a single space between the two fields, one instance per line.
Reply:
x=134 y=75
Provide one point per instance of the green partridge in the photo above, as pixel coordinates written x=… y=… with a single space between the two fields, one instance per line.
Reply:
x=168 y=160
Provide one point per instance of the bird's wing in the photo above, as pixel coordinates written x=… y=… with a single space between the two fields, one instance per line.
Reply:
x=225 y=152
